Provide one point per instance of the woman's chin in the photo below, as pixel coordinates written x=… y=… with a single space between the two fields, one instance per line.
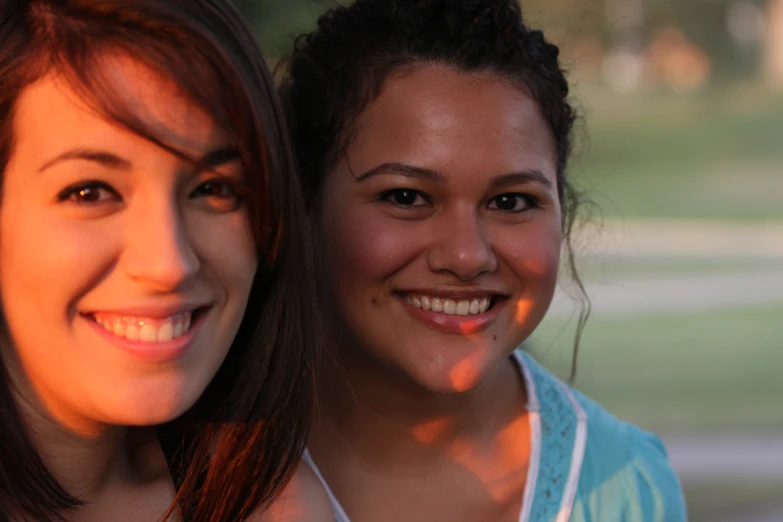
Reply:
x=457 y=376
x=144 y=418
x=142 y=408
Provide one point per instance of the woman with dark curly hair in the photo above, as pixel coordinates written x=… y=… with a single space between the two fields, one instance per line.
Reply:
x=159 y=321
x=433 y=138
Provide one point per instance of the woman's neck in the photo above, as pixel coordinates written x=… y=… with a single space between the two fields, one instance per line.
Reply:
x=390 y=423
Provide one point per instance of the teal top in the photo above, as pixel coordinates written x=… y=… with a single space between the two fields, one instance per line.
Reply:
x=585 y=464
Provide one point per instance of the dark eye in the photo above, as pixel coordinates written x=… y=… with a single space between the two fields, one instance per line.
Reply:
x=90 y=192
x=220 y=194
x=512 y=202
x=404 y=197
x=216 y=189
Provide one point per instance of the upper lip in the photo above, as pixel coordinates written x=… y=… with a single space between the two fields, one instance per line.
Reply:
x=455 y=293
x=158 y=311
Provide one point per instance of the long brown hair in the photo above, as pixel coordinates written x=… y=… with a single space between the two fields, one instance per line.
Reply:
x=236 y=448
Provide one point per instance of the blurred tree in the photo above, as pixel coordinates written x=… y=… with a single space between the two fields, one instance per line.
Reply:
x=277 y=22
x=706 y=23
x=633 y=24
x=579 y=26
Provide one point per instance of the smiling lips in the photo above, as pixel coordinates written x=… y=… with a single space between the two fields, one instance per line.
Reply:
x=461 y=313
x=145 y=329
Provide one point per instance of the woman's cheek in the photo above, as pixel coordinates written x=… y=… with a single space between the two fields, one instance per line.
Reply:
x=371 y=246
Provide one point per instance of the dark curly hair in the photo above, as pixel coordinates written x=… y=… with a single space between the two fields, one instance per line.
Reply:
x=335 y=71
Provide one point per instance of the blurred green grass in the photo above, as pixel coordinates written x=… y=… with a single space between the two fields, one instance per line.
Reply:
x=683 y=372
x=716 y=155
x=721 y=499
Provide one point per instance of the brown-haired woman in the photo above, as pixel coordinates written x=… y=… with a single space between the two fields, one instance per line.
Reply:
x=155 y=273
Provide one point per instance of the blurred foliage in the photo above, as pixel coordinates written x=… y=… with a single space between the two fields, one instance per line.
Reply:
x=278 y=22
x=702 y=21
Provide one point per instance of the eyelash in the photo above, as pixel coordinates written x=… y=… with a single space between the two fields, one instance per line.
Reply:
x=530 y=200
x=389 y=194
x=237 y=191
x=72 y=192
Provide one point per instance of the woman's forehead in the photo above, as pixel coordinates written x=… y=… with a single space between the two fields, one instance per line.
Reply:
x=437 y=115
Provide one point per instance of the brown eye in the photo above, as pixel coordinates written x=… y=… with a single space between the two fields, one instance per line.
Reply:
x=514 y=203
x=404 y=197
x=215 y=189
x=219 y=194
x=89 y=193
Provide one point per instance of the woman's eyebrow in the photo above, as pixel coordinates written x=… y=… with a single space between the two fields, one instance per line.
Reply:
x=402 y=169
x=214 y=158
x=521 y=178
x=217 y=157
x=102 y=157
x=513 y=178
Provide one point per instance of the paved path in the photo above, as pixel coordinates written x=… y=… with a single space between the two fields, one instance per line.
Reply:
x=672 y=292
x=644 y=294
x=737 y=457
x=671 y=239
x=760 y=515
x=732 y=456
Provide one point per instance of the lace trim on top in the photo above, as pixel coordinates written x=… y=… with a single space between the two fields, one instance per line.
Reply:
x=563 y=425
x=559 y=429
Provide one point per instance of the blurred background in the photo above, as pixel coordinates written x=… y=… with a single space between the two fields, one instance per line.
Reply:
x=681 y=149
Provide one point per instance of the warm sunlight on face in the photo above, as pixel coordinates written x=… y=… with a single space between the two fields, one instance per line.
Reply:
x=124 y=270
x=440 y=218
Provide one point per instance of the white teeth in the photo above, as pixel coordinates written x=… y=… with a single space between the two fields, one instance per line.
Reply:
x=119 y=328
x=166 y=333
x=144 y=329
x=148 y=333
x=132 y=332
x=450 y=306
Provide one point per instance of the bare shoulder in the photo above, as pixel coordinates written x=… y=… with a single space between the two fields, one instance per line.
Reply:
x=303 y=500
